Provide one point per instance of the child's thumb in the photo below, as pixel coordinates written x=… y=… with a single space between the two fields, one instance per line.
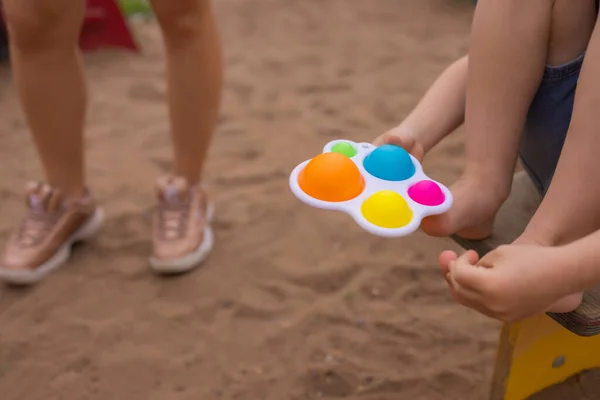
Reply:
x=470 y=257
x=405 y=143
x=444 y=260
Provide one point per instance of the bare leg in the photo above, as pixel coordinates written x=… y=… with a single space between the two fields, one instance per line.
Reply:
x=570 y=209
x=194 y=75
x=182 y=236
x=511 y=42
x=49 y=78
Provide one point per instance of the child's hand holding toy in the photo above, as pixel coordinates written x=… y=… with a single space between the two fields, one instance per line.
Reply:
x=401 y=136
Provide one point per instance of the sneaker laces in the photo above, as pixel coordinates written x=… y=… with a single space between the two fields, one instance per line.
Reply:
x=172 y=214
x=36 y=224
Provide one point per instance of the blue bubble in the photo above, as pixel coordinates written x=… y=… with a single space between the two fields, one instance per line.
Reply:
x=390 y=163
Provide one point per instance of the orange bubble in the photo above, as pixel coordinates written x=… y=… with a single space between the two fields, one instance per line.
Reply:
x=331 y=177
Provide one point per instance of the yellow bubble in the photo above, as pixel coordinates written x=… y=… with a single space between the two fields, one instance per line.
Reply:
x=387 y=209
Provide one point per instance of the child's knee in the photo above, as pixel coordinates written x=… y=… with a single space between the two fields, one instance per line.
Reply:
x=181 y=19
x=40 y=28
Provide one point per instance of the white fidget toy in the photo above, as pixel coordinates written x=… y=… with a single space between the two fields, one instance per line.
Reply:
x=383 y=188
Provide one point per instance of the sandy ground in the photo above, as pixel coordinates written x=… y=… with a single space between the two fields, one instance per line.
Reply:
x=295 y=303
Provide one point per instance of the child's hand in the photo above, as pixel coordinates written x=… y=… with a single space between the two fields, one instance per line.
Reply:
x=510 y=283
x=403 y=138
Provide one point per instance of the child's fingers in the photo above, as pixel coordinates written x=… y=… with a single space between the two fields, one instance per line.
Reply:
x=405 y=143
x=503 y=253
x=454 y=293
x=489 y=259
x=466 y=298
x=464 y=291
x=390 y=137
x=466 y=274
x=444 y=260
x=470 y=256
x=380 y=140
x=447 y=257
x=408 y=143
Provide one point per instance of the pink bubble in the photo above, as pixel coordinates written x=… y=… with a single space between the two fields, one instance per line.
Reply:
x=427 y=193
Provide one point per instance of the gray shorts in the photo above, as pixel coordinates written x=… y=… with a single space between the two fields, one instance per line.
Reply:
x=548 y=121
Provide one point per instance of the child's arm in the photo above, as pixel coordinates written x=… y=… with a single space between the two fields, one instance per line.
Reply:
x=438 y=113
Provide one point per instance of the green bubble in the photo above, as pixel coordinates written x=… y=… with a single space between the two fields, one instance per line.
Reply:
x=344 y=148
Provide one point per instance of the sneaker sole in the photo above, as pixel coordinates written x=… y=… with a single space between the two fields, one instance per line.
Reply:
x=30 y=277
x=192 y=260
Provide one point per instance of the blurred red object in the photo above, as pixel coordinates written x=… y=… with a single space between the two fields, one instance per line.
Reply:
x=104 y=26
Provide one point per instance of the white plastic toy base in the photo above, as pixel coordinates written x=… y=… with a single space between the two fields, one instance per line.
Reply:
x=373 y=185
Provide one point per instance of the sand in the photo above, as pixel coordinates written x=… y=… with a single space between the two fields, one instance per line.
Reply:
x=295 y=303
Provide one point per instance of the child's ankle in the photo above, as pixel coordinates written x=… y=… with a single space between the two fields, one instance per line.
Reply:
x=497 y=187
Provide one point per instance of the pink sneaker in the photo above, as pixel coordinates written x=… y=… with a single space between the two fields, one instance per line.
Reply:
x=43 y=241
x=182 y=236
